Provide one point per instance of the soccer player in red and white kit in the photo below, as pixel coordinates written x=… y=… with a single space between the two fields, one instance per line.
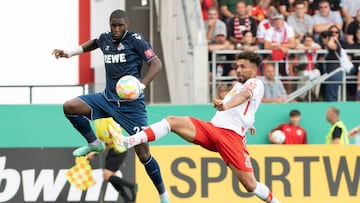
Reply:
x=226 y=132
x=294 y=133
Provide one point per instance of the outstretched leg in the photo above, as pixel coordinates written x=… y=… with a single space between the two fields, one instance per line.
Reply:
x=179 y=125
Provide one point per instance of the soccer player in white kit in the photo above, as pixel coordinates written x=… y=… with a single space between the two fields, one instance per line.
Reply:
x=226 y=132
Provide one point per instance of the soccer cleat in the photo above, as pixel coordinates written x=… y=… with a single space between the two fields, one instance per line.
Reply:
x=118 y=140
x=84 y=150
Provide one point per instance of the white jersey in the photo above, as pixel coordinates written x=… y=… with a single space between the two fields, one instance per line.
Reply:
x=242 y=117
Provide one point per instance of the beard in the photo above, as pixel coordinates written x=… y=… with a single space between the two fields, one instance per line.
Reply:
x=242 y=79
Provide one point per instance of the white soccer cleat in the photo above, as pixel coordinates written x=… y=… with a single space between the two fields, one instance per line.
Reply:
x=118 y=140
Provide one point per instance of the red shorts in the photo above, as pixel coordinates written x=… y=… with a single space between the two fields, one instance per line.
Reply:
x=230 y=145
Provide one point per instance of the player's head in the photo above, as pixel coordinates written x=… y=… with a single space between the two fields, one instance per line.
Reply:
x=294 y=117
x=118 y=24
x=247 y=65
x=332 y=114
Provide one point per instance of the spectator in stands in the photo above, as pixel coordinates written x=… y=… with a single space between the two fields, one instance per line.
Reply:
x=333 y=45
x=280 y=37
x=221 y=43
x=353 y=90
x=326 y=18
x=228 y=8
x=294 y=133
x=206 y=5
x=213 y=24
x=274 y=91
x=300 y=21
x=349 y=10
x=260 y=10
x=334 y=6
x=286 y=7
x=247 y=42
x=221 y=91
x=338 y=133
x=307 y=64
x=264 y=26
x=352 y=28
x=239 y=23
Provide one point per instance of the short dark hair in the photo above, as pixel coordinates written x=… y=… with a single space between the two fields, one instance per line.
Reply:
x=323 y=1
x=251 y=56
x=118 y=14
x=299 y=2
x=294 y=113
x=307 y=35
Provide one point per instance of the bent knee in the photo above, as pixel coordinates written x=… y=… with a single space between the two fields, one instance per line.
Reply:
x=75 y=106
x=69 y=107
x=107 y=174
x=143 y=152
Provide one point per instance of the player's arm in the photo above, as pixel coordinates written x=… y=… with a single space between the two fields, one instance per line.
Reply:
x=85 y=47
x=336 y=135
x=155 y=66
x=236 y=100
x=354 y=131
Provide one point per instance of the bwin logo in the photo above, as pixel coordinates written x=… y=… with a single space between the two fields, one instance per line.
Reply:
x=49 y=184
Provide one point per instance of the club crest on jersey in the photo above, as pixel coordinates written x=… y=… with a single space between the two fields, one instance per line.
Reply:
x=149 y=53
x=136 y=36
x=107 y=48
x=120 y=47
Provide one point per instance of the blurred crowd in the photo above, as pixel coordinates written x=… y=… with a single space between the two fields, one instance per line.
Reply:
x=283 y=25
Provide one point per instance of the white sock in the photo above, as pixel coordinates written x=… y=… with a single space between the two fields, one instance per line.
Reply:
x=149 y=134
x=164 y=196
x=264 y=193
x=96 y=143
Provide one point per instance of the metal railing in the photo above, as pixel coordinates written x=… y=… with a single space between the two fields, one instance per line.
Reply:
x=312 y=83
x=55 y=93
x=215 y=80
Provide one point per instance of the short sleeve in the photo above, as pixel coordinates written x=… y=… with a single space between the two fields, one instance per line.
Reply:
x=336 y=133
x=267 y=35
x=142 y=47
x=337 y=16
x=223 y=3
x=291 y=33
x=100 y=39
x=255 y=87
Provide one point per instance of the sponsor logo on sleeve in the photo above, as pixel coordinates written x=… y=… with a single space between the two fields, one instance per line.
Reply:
x=149 y=53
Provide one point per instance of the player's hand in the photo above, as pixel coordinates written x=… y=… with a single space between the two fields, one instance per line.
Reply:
x=58 y=53
x=142 y=87
x=218 y=104
x=354 y=131
x=211 y=23
x=252 y=130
